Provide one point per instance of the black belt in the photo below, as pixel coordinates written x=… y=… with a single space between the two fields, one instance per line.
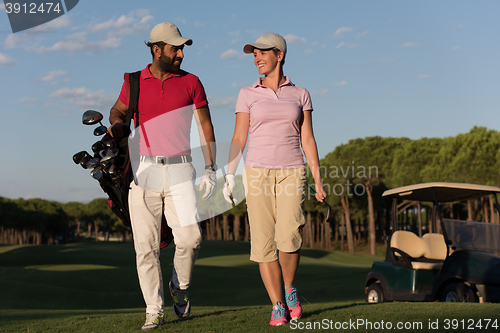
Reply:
x=166 y=159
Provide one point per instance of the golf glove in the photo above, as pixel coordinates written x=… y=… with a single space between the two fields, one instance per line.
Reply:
x=209 y=179
x=228 y=188
x=119 y=130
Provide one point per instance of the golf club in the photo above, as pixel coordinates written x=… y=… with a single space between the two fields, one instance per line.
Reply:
x=329 y=210
x=78 y=157
x=97 y=147
x=84 y=161
x=101 y=130
x=91 y=117
x=96 y=173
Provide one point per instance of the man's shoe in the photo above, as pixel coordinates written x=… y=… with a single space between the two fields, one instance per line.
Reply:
x=278 y=316
x=182 y=306
x=293 y=304
x=153 y=321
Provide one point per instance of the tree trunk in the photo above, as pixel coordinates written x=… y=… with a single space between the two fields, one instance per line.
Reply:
x=225 y=228
x=236 y=227
x=218 y=229
x=247 y=229
x=350 y=238
x=96 y=230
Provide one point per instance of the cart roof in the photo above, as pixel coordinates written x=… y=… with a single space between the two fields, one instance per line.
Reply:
x=445 y=192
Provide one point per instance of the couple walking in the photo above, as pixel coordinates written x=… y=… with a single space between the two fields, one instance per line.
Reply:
x=273 y=114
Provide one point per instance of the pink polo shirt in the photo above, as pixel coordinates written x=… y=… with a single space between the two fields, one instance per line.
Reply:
x=165 y=111
x=275 y=124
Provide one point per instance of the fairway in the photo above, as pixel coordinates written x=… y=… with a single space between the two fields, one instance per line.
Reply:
x=93 y=287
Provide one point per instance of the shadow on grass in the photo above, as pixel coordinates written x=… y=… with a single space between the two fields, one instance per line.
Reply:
x=71 y=277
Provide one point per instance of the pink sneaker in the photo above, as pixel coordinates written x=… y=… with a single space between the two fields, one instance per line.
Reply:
x=293 y=304
x=278 y=316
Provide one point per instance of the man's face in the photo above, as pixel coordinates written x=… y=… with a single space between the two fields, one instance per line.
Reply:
x=171 y=58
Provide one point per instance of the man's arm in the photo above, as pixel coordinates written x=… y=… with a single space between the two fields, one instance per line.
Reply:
x=206 y=132
x=117 y=115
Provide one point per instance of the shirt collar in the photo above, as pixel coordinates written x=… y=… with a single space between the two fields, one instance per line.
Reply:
x=146 y=74
x=258 y=83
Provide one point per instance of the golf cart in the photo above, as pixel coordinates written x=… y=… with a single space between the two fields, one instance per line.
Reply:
x=460 y=263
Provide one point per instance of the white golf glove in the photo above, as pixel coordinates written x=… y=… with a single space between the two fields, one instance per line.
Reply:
x=228 y=188
x=209 y=179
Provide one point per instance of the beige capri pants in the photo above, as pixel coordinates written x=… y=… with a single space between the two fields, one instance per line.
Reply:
x=275 y=202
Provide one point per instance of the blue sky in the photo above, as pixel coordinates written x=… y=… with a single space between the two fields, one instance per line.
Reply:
x=388 y=68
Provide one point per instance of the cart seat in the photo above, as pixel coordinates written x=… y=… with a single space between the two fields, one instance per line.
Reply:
x=424 y=252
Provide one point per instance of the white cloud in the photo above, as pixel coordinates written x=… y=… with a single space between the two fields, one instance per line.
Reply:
x=455 y=48
x=410 y=44
x=29 y=100
x=424 y=76
x=320 y=92
x=352 y=45
x=2 y=6
x=58 y=23
x=290 y=38
x=222 y=102
x=341 y=32
x=52 y=75
x=232 y=54
x=361 y=34
x=341 y=83
x=308 y=51
x=389 y=60
x=6 y=60
x=340 y=45
x=136 y=22
x=31 y=36
x=461 y=26
x=85 y=98
x=78 y=43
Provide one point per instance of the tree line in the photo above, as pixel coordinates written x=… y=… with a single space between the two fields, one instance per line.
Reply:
x=355 y=175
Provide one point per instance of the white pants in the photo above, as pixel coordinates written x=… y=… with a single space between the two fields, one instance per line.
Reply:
x=178 y=202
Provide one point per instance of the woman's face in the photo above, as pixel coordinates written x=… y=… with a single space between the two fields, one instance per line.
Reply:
x=266 y=61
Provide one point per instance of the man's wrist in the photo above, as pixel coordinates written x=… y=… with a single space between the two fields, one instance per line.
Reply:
x=212 y=167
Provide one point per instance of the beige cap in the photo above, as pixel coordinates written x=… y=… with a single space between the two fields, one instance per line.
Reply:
x=169 y=33
x=267 y=41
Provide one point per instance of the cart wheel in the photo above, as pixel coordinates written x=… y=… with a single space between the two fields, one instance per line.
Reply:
x=374 y=293
x=458 y=292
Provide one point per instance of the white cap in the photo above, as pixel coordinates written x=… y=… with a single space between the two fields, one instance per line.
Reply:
x=169 y=33
x=267 y=41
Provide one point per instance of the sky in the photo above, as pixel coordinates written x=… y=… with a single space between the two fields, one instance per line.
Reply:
x=374 y=68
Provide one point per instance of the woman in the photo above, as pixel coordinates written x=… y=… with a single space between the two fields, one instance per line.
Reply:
x=278 y=114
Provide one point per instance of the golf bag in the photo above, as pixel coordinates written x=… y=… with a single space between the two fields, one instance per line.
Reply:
x=118 y=188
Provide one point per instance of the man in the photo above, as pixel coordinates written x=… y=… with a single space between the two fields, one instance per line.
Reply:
x=164 y=180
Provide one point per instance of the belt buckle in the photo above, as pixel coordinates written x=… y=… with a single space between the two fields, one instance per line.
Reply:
x=161 y=160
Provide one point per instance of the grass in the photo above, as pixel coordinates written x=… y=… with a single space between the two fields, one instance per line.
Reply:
x=93 y=287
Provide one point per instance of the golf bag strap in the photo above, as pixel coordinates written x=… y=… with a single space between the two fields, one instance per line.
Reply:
x=133 y=103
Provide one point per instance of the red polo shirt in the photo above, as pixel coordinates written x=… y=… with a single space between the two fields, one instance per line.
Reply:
x=165 y=111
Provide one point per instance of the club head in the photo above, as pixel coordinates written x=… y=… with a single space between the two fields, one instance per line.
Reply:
x=94 y=162
x=101 y=130
x=78 y=157
x=84 y=161
x=97 y=147
x=96 y=173
x=110 y=154
x=113 y=171
x=111 y=144
x=91 y=117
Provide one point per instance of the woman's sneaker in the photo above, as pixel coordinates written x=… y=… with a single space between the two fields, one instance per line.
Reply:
x=293 y=304
x=278 y=316
x=153 y=321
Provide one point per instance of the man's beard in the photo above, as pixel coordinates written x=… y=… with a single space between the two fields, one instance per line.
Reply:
x=166 y=64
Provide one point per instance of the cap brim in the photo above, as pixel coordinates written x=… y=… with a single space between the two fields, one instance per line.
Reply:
x=178 y=41
x=248 y=48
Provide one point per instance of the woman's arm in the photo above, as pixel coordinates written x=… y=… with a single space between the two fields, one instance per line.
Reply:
x=311 y=152
x=239 y=141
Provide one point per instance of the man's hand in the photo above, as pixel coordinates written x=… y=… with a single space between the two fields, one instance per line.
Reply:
x=228 y=188
x=209 y=179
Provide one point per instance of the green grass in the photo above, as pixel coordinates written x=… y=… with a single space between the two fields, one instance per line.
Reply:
x=94 y=288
